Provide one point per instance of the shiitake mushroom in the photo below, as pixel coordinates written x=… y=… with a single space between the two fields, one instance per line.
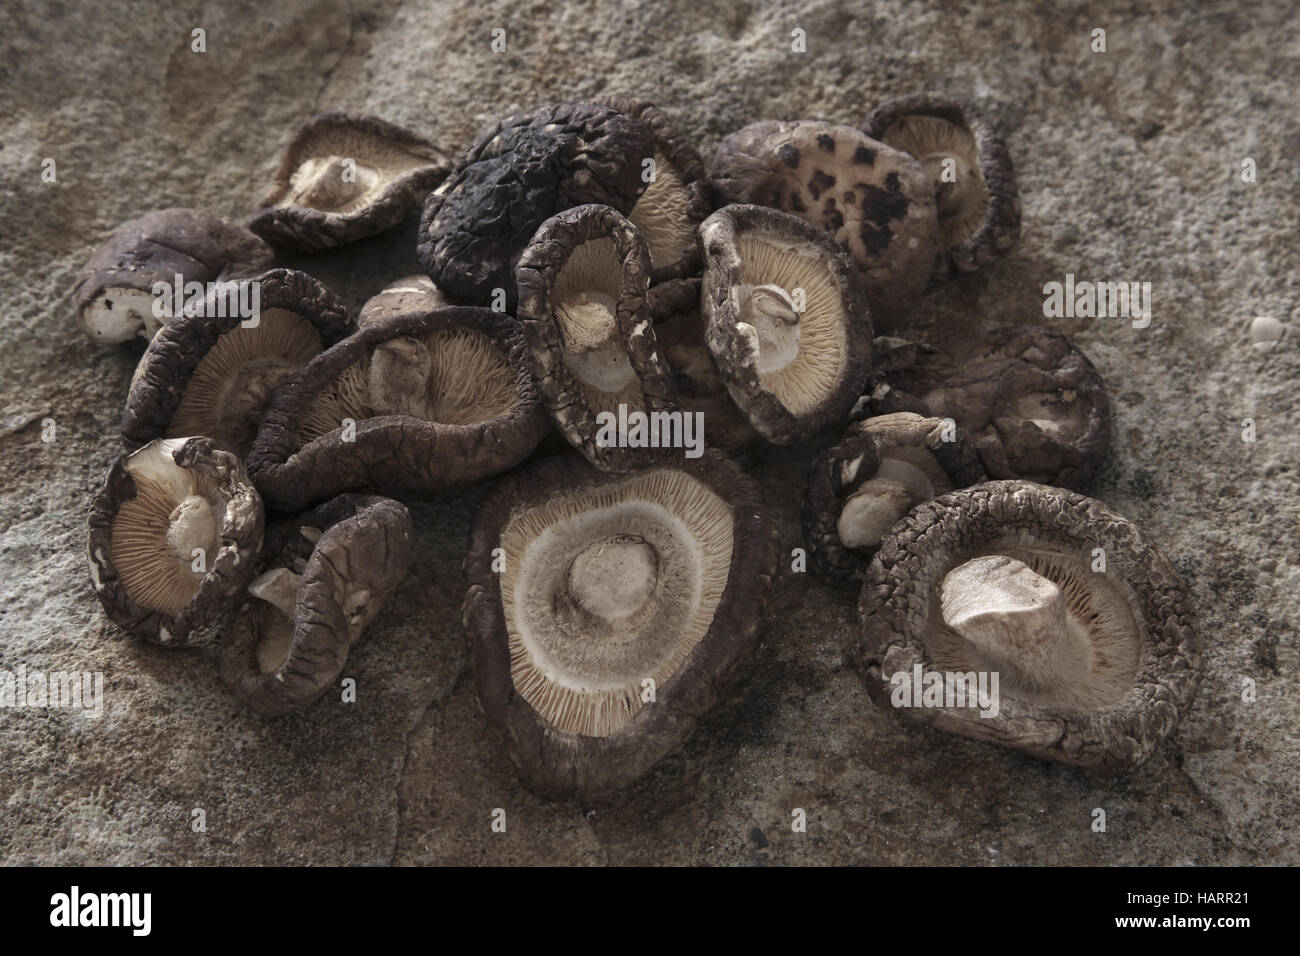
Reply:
x=1088 y=628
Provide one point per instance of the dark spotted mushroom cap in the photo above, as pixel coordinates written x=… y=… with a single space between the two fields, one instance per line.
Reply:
x=609 y=581
x=114 y=296
x=1119 y=676
x=583 y=285
x=791 y=373
x=875 y=200
x=174 y=534
x=515 y=176
x=213 y=373
x=436 y=400
x=1033 y=403
x=323 y=577
x=875 y=474
x=346 y=176
x=979 y=211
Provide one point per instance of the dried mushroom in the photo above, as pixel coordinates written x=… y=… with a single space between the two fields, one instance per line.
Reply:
x=1079 y=632
x=881 y=469
x=518 y=174
x=174 y=534
x=677 y=198
x=409 y=404
x=406 y=296
x=324 y=577
x=622 y=608
x=212 y=373
x=786 y=320
x=344 y=177
x=876 y=201
x=1032 y=402
x=114 y=295
x=970 y=167
x=583 y=284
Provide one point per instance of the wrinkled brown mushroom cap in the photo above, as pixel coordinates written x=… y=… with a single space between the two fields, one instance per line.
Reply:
x=791 y=373
x=564 y=527
x=979 y=213
x=1032 y=402
x=157 y=506
x=518 y=174
x=459 y=364
x=212 y=374
x=114 y=296
x=876 y=201
x=676 y=201
x=583 y=305
x=312 y=206
x=881 y=469
x=334 y=569
x=1141 y=659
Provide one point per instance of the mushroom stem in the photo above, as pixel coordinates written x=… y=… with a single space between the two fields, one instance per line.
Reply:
x=1011 y=615
x=593 y=350
x=871 y=511
x=612 y=579
x=279 y=588
x=192 y=526
x=328 y=182
x=769 y=310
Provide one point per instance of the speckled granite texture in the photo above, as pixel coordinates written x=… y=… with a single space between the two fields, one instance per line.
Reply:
x=1129 y=165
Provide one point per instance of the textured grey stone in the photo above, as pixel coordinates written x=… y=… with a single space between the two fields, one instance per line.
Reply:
x=1129 y=168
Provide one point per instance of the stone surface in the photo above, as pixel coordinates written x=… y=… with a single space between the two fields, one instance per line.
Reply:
x=1129 y=164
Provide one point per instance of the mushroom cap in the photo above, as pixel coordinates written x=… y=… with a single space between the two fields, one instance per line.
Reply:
x=515 y=176
x=1144 y=662
x=114 y=296
x=751 y=247
x=876 y=201
x=311 y=206
x=347 y=575
x=1033 y=403
x=207 y=374
x=167 y=497
x=672 y=207
x=980 y=224
x=406 y=296
x=591 y=251
x=565 y=688
x=462 y=356
x=901 y=449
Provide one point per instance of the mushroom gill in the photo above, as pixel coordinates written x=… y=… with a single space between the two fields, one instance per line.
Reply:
x=800 y=355
x=230 y=387
x=166 y=537
x=961 y=194
x=605 y=589
x=663 y=214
